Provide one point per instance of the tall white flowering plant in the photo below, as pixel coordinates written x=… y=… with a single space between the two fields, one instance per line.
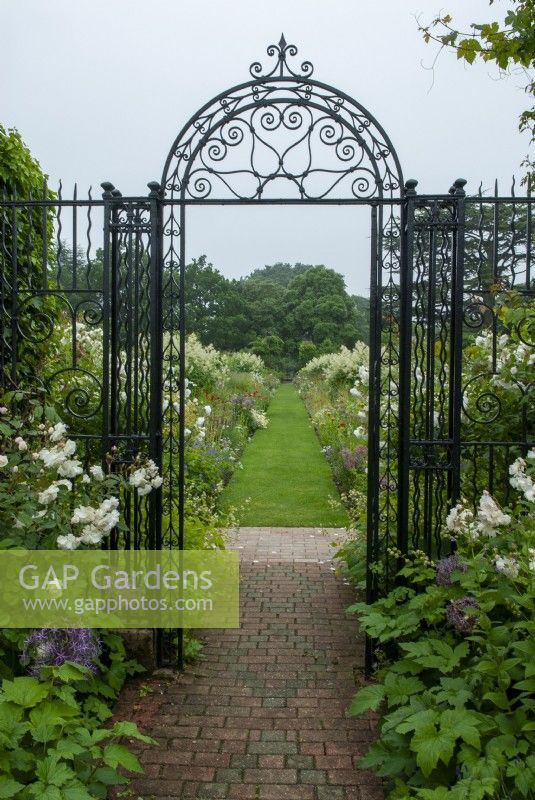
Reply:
x=49 y=498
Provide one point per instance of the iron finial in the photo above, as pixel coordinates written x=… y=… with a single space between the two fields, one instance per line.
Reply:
x=282 y=52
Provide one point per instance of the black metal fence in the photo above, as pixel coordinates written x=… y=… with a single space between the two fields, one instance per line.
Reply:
x=92 y=296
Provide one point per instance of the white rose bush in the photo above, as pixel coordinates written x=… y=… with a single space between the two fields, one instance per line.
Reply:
x=48 y=499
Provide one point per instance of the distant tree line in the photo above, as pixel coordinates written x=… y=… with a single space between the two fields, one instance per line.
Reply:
x=285 y=313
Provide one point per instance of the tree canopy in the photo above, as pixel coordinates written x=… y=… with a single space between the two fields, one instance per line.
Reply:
x=285 y=313
x=506 y=42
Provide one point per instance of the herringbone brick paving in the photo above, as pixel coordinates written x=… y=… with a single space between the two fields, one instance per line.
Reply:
x=263 y=716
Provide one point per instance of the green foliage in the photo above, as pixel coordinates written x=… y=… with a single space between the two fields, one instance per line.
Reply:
x=507 y=43
x=283 y=313
x=457 y=693
x=53 y=744
x=22 y=177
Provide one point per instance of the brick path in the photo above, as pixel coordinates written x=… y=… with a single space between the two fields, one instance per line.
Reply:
x=262 y=717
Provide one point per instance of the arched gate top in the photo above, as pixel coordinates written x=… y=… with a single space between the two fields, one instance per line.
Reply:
x=282 y=135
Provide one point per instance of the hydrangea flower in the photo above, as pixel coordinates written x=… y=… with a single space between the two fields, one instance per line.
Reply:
x=52 y=647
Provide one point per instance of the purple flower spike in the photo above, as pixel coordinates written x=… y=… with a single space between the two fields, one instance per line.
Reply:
x=445 y=568
x=457 y=616
x=52 y=647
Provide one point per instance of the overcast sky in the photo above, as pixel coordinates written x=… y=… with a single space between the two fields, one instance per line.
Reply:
x=100 y=88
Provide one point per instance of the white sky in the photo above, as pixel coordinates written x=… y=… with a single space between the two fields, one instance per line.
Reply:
x=100 y=88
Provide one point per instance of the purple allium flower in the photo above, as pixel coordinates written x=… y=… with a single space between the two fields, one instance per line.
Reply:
x=457 y=617
x=445 y=568
x=52 y=647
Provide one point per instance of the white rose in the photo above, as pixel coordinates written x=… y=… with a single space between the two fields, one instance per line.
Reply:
x=3 y=461
x=68 y=542
x=208 y=410
x=3 y=410
x=21 y=444
x=97 y=472
x=48 y=495
x=70 y=469
x=57 y=432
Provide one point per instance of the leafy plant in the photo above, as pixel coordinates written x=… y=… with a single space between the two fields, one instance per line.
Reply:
x=54 y=747
x=457 y=700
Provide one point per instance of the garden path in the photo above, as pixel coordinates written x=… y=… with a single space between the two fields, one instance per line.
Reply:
x=263 y=716
x=284 y=473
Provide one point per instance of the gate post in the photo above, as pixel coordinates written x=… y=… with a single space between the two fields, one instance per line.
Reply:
x=405 y=336
x=156 y=358
x=456 y=342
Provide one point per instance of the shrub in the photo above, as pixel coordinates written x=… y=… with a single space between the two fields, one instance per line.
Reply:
x=457 y=699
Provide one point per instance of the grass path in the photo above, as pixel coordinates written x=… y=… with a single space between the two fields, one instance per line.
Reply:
x=284 y=472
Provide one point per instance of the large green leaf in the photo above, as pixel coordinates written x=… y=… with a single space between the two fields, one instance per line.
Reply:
x=432 y=746
x=9 y=787
x=25 y=691
x=119 y=755
x=368 y=698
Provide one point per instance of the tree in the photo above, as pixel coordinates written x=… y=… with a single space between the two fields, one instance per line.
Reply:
x=506 y=43
x=279 y=273
x=206 y=296
x=21 y=177
x=318 y=307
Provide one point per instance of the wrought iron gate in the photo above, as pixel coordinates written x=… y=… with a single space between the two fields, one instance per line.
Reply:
x=438 y=266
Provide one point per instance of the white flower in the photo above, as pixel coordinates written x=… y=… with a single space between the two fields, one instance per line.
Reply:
x=490 y=516
x=48 y=495
x=3 y=461
x=531 y=454
x=21 y=444
x=64 y=482
x=97 y=472
x=70 y=469
x=145 y=478
x=97 y=522
x=354 y=392
x=259 y=418
x=3 y=410
x=358 y=431
x=57 y=432
x=208 y=410
x=91 y=535
x=86 y=478
x=199 y=422
x=459 y=518
x=531 y=562
x=137 y=478
x=68 y=542
x=507 y=566
x=187 y=431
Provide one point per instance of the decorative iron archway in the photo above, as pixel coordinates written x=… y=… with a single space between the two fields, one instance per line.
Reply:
x=285 y=138
x=436 y=265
